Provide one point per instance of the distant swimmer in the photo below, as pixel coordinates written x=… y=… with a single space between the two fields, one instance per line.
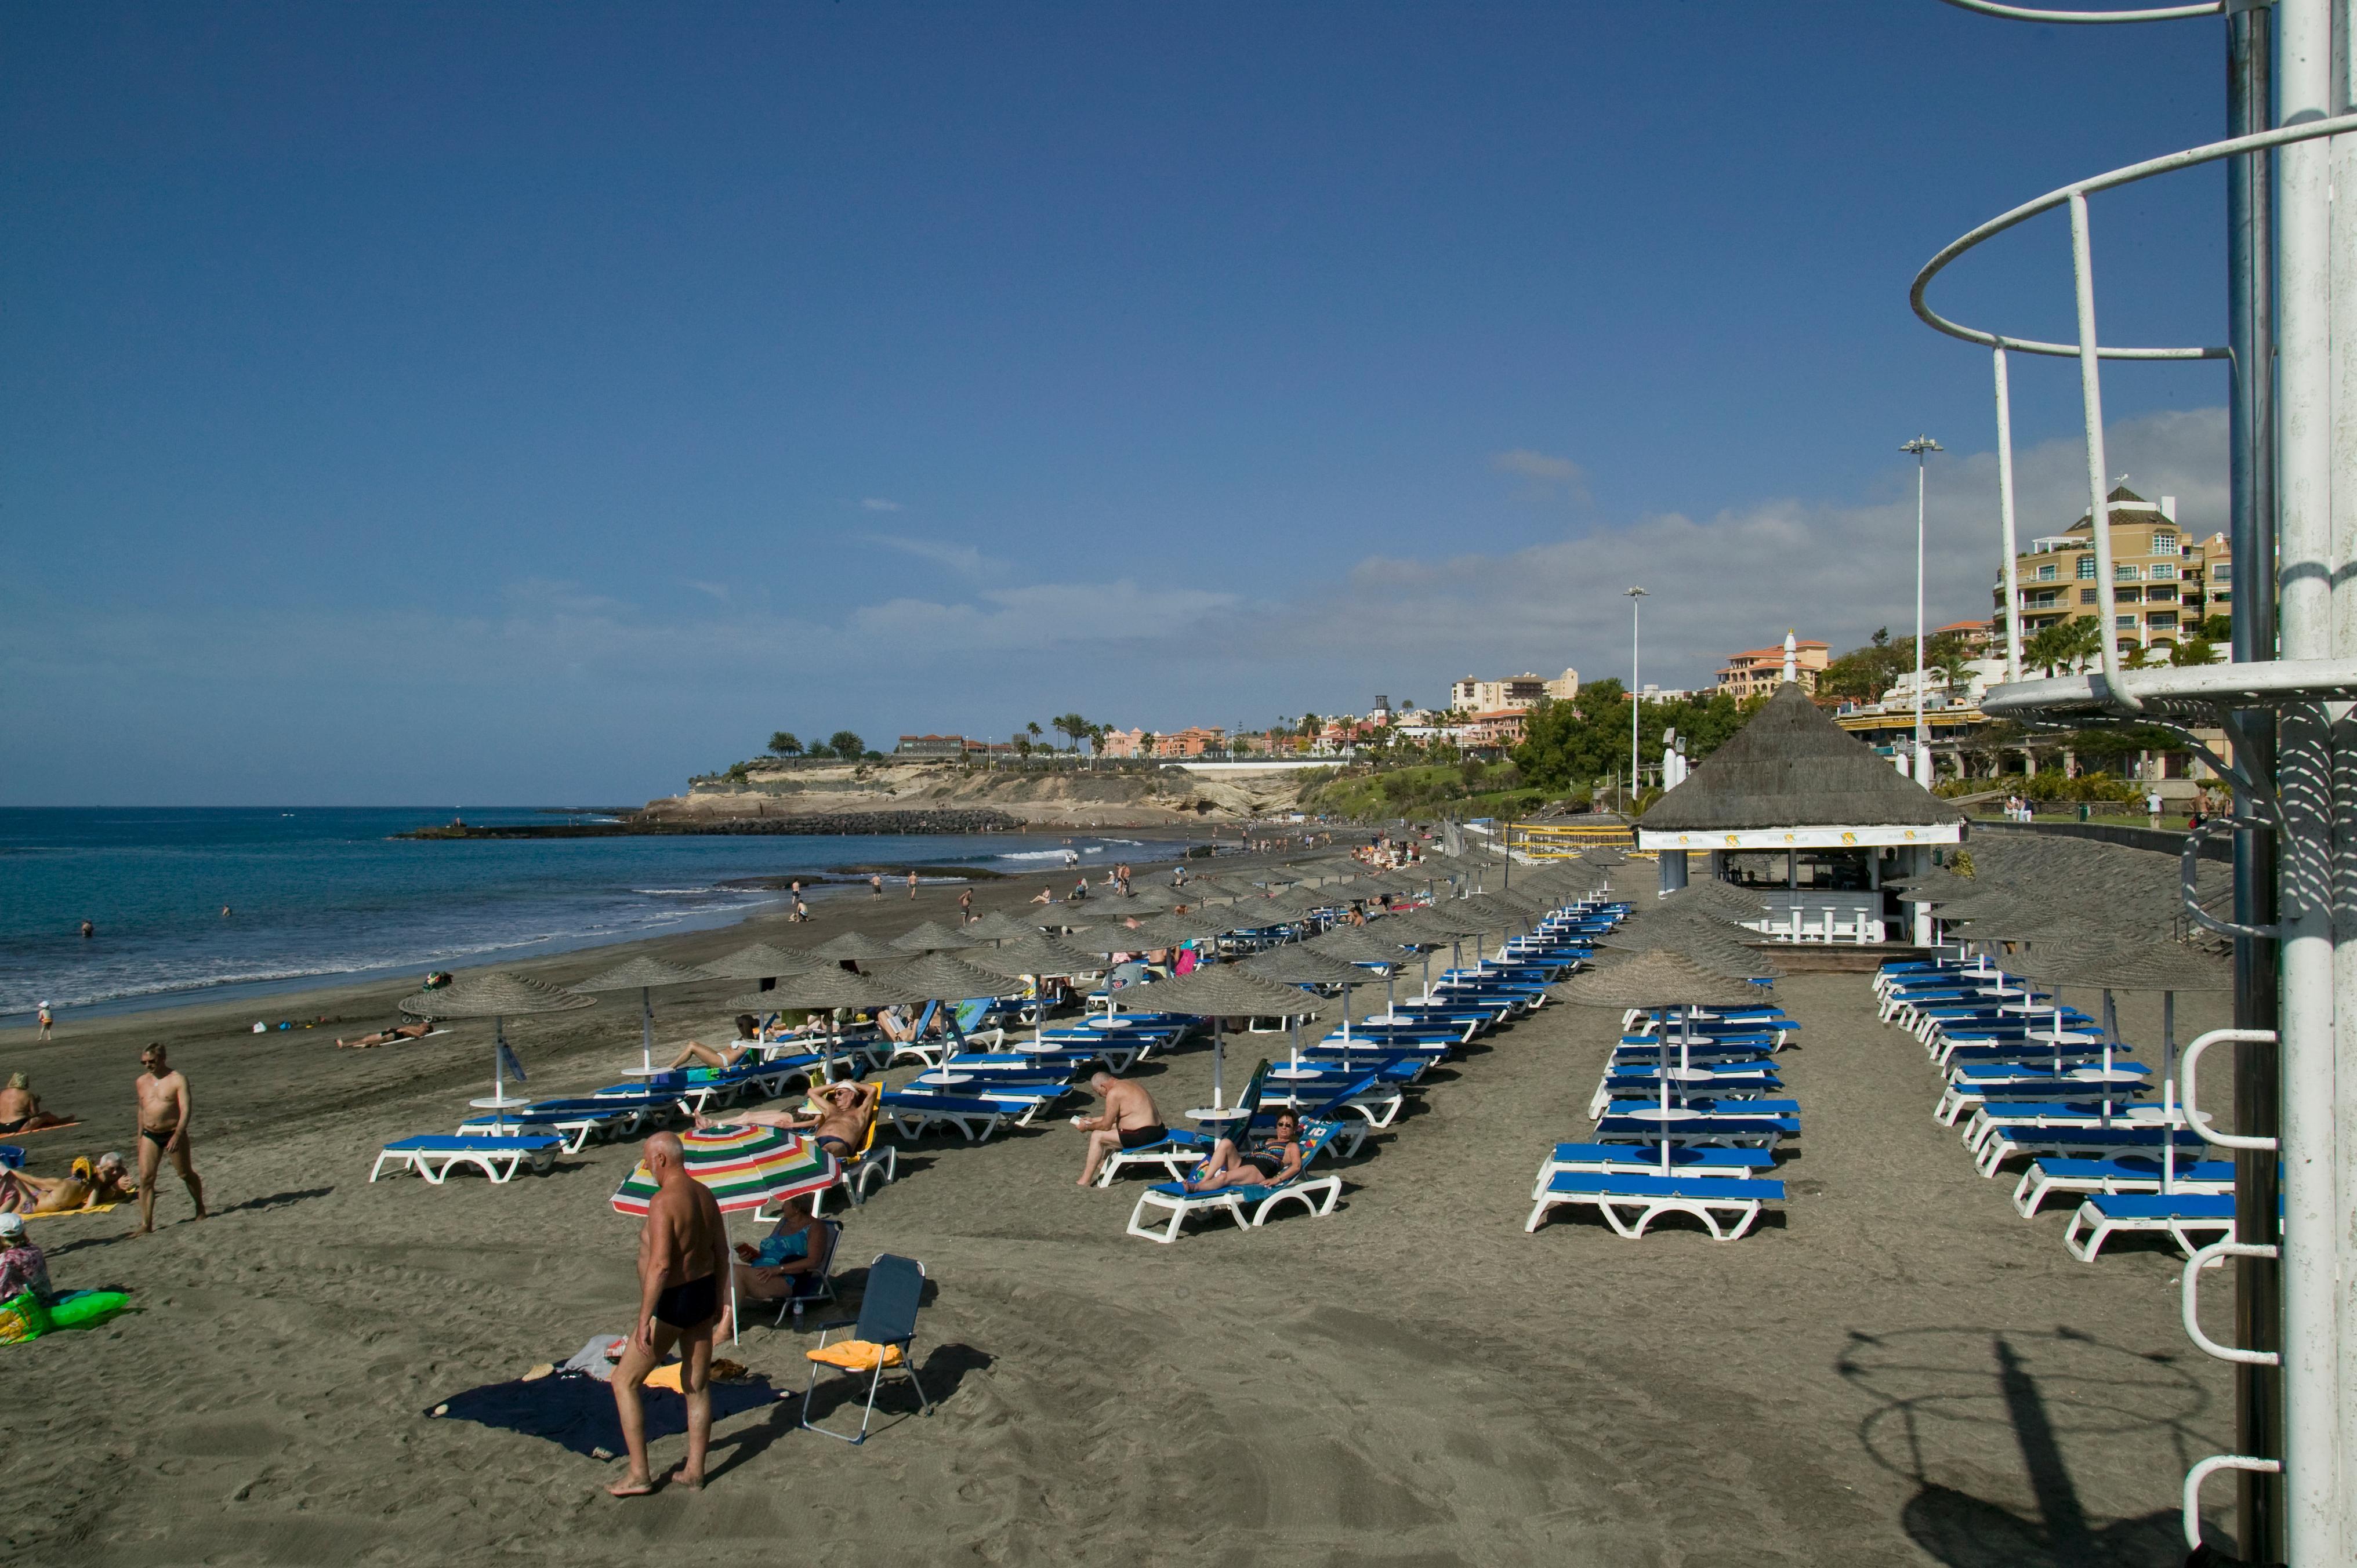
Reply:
x=88 y=930
x=224 y=911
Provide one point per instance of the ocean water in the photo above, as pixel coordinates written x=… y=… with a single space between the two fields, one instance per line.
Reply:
x=324 y=894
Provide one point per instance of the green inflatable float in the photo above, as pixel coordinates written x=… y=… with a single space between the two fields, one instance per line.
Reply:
x=25 y=1317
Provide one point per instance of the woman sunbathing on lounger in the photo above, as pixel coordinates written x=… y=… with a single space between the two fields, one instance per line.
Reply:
x=387 y=1036
x=846 y=1111
x=720 y=1059
x=20 y=1108
x=896 y=1024
x=90 y=1185
x=1271 y=1162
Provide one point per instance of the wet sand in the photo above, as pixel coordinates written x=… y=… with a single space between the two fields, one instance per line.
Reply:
x=1898 y=1370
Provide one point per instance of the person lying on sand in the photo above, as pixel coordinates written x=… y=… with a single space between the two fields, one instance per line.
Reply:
x=789 y=1261
x=1046 y=895
x=1129 y=1120
x=845 y=1112
x=20 y=1108
x=90 y=1187
x=1265 y=1162
x=417 y=1031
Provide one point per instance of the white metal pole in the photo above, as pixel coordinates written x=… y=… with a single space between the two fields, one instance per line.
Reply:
x=2341 y=259
x=2004 y=515
x=1922 y=741
x=2312 y=1370
x=2090 y=408
x=1636 y=690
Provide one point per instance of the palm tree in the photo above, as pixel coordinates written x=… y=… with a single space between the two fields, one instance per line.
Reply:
x=1953 y=669
x=1072 y=727
x=784 y=744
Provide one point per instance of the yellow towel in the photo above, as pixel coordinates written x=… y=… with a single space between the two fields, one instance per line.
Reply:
x=856 y=1355
x=62 y=1213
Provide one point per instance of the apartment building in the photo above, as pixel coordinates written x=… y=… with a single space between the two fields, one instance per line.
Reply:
x=1474 y=695
x=1756 y=671
x=2164 y=581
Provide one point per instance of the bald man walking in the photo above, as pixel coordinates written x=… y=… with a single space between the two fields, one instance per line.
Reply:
x=682 y=1268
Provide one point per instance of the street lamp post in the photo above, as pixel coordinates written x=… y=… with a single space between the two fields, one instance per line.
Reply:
x=1922 y=446
x=1636 y=692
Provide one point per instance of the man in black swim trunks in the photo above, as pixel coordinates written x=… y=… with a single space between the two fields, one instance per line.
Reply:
x=1128 y=1121
x=164 y=1111
x=682 y=1268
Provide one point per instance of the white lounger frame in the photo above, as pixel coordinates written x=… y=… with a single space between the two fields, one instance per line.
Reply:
x=499 y=1165
x=2100 y=1228
x=1233 y=1201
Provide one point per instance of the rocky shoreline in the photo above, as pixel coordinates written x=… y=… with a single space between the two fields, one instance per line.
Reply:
x=955 y=820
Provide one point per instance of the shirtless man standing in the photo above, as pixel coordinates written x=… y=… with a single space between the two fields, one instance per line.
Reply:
x=164 y=1110
x=1128 y=1121
x=845 y=1112
x=683 y=1263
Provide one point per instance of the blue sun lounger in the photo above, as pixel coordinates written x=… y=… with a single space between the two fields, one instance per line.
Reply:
x=2130 y=1174
x=1640 y=1159
x=499 y=1158
x=913 y=1113
x=1316 y=1193
x=2179 y=1215
x=1727 y=1132
x=1727 y=1206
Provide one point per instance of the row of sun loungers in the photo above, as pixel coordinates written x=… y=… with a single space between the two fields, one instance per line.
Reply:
x=2030 y=1080
x=1711 y=1160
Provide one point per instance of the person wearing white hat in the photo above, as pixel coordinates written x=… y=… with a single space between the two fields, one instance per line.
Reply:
x=22 y=1266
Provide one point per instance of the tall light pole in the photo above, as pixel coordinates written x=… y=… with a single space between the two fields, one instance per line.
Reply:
x=1922 y=446
x=1636 y=692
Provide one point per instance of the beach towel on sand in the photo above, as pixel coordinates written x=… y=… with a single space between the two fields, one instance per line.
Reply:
x=574 y=1411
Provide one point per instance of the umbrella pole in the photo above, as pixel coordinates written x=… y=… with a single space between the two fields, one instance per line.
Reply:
x=646 y=1030
x=2111 y=1032
x=500 y=1074
x=1293 y=1023
x=1662 y=1070
x=2168 y=1092
x=1219 y=1059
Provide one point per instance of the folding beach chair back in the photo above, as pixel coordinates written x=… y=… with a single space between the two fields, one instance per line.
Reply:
x=1249 y=1100
x=881 y=1339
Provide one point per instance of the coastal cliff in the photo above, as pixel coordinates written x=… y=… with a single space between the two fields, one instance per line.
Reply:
x=1062 y=796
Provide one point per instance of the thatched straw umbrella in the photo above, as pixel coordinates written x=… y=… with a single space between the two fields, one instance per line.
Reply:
x=930 y=935
x=642 y=975
x=1224 y=991
x=498 y=996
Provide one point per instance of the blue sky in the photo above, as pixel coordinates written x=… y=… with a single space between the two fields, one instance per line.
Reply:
x=540 y=403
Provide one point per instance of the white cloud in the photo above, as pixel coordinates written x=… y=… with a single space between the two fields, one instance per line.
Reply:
x=1532 y=465
x=877 y=503
x=1040 y=615
x=721 y=593
x=962 y=559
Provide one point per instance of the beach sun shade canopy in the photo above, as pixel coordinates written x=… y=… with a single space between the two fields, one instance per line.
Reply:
x=1225 y=990
x=858 y=948
x=1724 y=955
x=816 y=990
x=640 y=974
x=1035 y=954
x=1359 y=944
x=931 y=936
x=2095 y=961
x=761 y=961
x=938 y=977
x=1654 y=979
x=1109 y=907
x=1297 y=963
x=744 y=1167
x=496 y=994
x=1793 y=779
x=998 y=925
x=1169 y=930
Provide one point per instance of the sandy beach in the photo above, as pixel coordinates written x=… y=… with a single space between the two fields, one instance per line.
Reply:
x=1896 y=1369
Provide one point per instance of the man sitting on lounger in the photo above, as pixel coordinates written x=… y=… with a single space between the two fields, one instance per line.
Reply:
x=20 y=1108
x=1129 y=1120
x=847 y=1111
x=1268 y=1161
x=90 y=1185
x=789 y=1260
x=415 y=1031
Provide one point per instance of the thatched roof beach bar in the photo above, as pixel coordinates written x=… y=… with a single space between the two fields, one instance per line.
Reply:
x=1794 y=782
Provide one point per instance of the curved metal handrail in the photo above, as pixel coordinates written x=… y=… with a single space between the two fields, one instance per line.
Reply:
x=2111 y=180
x=2024 y=14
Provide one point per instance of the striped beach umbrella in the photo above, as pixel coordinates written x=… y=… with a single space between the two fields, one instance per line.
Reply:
x=744 y=1167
